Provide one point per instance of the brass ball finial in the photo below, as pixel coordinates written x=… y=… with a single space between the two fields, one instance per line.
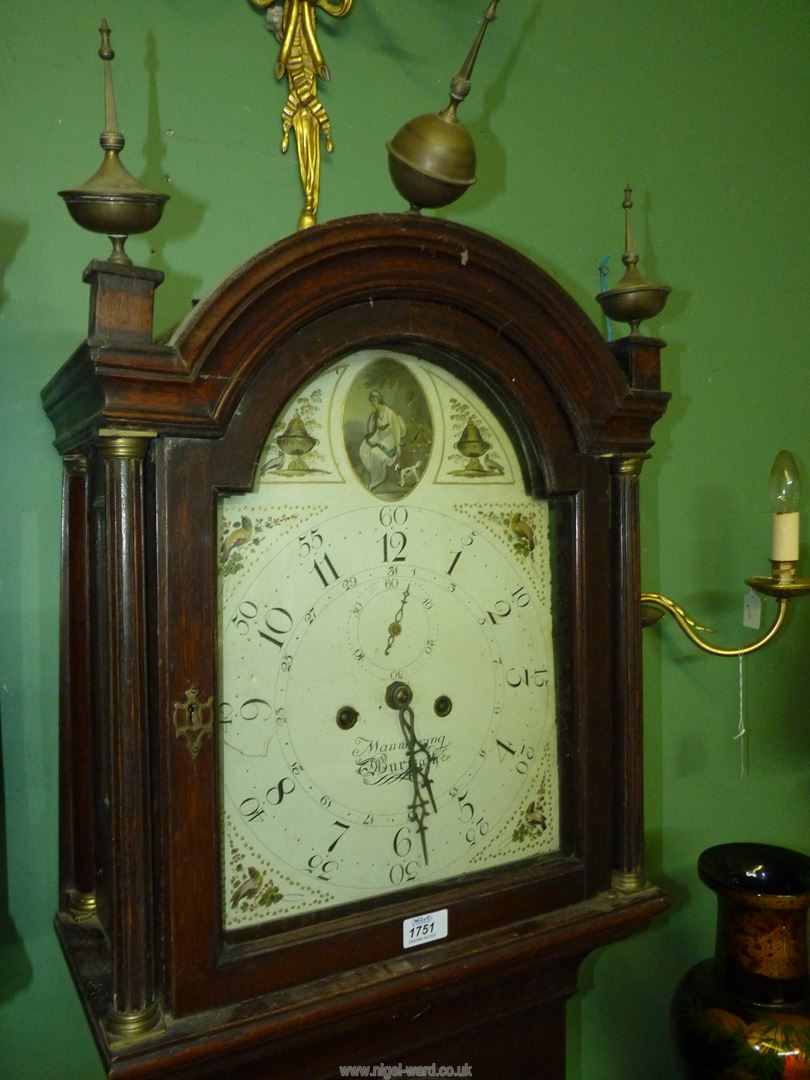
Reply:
x=432 y=157
x=112 y=201
x=634 y=298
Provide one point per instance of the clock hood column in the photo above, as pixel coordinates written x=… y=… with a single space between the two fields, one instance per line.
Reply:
x=639 y=359
x=106 y=869
x=134 y=1006
x=77 y=784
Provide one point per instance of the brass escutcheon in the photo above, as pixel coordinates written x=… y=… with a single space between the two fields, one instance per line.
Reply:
x=193 y=720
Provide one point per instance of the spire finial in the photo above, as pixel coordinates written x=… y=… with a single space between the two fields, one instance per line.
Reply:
x=634 y=298
x=112 y=201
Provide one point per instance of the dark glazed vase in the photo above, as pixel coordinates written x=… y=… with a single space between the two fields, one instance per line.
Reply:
x=745 y=1014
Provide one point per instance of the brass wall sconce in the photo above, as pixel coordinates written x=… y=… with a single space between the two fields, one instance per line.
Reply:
x=633 y=300
x=782 y=584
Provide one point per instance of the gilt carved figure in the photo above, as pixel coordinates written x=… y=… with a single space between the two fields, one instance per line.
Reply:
x=301 y=60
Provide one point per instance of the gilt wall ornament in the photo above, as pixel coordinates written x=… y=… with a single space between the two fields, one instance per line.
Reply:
x=294 y=23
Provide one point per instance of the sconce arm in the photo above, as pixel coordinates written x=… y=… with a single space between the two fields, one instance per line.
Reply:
x=690 y=627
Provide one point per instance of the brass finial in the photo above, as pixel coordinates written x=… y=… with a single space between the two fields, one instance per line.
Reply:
x=432 y=158
x=634 y=298
x=630 y=258
x=107 y=54
x=112 y=201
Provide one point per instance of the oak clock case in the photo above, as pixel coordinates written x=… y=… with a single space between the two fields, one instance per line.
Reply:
x=350 y=598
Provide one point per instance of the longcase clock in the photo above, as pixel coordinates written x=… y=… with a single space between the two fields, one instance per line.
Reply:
x=350 y=713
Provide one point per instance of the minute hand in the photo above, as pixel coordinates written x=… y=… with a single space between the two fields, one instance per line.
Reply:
x=419 y=762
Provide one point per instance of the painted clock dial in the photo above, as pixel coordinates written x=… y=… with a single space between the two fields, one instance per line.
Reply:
x=386 y=664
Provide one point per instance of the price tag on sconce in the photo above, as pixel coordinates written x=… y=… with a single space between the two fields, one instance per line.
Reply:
x=752 y=610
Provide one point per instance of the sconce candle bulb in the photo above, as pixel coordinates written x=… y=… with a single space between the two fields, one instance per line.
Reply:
x=785 y=494
x=782 y=584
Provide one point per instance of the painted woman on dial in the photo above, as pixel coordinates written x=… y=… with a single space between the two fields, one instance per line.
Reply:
x=385 y=431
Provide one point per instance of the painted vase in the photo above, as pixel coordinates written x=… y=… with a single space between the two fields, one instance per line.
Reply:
x=745 y=1013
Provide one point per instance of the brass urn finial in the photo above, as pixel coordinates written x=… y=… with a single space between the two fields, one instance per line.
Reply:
x=634 y=298
x=112 y=201
x=432 y=158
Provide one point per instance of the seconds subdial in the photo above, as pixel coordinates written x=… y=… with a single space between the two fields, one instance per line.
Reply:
x=394 y=625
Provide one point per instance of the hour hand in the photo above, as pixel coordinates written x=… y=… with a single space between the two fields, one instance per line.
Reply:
x=399 y=696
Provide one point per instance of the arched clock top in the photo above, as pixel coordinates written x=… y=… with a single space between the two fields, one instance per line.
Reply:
x=416 y=262
x=426 y=277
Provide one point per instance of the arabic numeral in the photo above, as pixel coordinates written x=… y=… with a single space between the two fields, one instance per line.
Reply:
x=309 y=542
x=325 y=570
x=522 y=765
x=402 y=842
x=321 y=868
x=477 y=831
x=516 y=677
x=466 y=810
x=245 y=613
x=517 y=759
x=456 y=557
x=500 y=610
x=521 y=597
x=278 y=622
x=251 y=809
x=393 y=515
x=401 y=872
x=465 y=542
x=276 y=795
x=504 y=608
x=340 y=835
x=250 y=710
x=393 y=545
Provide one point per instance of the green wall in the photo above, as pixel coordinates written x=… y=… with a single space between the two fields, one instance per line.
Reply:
x=703 y=108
